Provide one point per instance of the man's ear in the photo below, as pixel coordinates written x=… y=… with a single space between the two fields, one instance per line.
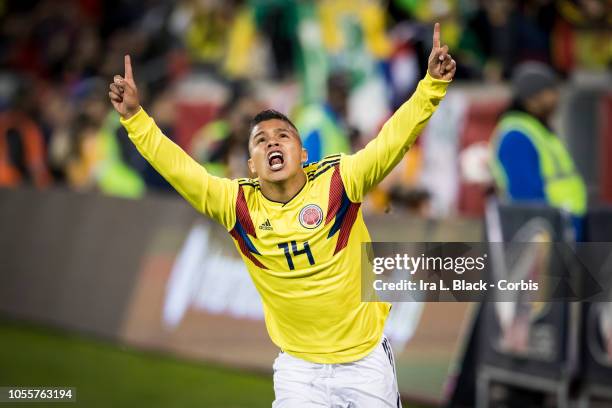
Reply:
x=304 y=155
x=251 y=166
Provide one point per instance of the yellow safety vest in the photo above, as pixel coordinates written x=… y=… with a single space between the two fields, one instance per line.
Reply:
x=563 y=186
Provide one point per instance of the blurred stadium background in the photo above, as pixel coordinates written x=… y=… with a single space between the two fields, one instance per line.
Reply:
x=110 y=283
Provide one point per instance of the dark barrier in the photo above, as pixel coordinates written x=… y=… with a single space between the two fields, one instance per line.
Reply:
x=524 y=343
x=596 y=335
x=73 y=260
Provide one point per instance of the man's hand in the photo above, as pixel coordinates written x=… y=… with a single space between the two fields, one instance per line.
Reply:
x=441 y=65
x=123 y=93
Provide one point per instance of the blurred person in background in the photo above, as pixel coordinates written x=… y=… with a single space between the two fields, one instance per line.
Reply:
x=582 y=38
x=402 y=189
x=220 y=36
x=499 y=34
x=57 y=117
x=115 y=176
x=350 y=27
x=84 y=155
x=324 y=126
x=22 y=147
x=221 y=146
x=529 y=161
x=278 y=21
x=486 y=40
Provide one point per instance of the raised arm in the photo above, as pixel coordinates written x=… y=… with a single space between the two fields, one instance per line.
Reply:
x=366 y=168
x=210 y=195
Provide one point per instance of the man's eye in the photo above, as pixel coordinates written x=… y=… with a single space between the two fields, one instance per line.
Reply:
x=284 y=135
x=259 y=140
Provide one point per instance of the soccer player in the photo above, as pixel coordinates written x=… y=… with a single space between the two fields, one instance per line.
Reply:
x=299 y=230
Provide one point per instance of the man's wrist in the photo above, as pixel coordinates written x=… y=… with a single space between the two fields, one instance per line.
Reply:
x=131 y=112
x=435 y=78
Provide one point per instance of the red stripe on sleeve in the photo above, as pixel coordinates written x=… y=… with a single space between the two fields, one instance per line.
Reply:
x=336 y=190
x=243 y=214
x=347 y=225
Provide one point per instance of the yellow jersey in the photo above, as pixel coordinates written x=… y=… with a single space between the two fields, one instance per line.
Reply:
x=304 y=256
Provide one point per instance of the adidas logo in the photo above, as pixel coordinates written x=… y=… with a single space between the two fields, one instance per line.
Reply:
x=266 y=225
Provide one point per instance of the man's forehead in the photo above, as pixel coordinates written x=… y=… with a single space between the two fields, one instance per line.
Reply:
x=272 y=125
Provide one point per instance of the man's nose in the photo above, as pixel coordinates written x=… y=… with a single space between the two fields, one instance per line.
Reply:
x=272 y=142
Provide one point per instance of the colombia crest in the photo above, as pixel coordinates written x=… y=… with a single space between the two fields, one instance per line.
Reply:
x=311 y=216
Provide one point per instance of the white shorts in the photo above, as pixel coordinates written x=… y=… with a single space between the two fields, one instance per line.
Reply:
x=366 y=383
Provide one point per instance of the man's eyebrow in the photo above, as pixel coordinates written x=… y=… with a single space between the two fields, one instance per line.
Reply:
x=281 y=130
x=274 y=130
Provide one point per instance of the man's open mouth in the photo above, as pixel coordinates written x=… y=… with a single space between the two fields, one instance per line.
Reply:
x=276 y=160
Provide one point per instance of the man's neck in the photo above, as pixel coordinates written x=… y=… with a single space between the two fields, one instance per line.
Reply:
x=542 y=118
x=284 y=191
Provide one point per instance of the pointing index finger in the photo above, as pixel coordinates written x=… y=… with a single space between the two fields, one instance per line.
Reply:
x=436 y=36
x=128 y=68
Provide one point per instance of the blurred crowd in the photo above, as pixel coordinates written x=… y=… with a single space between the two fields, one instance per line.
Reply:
x=352 y=61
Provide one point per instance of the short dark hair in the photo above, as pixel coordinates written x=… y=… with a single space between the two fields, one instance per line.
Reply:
x=270 y=114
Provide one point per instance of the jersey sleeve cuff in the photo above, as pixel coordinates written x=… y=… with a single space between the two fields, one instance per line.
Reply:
x=434 y=88
x=136 y=122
